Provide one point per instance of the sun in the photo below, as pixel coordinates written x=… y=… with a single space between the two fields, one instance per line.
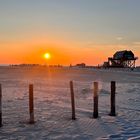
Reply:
x=47 y=55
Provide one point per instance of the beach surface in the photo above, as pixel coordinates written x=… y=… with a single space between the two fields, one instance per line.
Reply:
x=52 y=104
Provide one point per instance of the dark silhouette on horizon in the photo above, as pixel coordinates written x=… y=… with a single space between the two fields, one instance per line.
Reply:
x=121 y=59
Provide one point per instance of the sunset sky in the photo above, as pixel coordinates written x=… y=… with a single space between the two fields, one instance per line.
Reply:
x=72 y=31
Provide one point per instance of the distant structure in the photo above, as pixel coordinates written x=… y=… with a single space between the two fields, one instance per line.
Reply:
x=121 y=59
x=82 y=65
x=24 y=65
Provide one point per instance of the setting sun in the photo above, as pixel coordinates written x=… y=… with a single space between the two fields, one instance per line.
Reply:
x=47 y=56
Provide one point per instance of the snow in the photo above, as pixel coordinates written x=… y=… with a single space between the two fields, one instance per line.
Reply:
x=53 y=108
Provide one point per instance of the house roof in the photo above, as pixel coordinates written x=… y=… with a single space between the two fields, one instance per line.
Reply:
x=124 y=55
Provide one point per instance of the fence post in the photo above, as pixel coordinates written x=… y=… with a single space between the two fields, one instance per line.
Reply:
x=112 y=98
x=72 y=100
x=31 y=104
x=95 y=98
x=0 y=105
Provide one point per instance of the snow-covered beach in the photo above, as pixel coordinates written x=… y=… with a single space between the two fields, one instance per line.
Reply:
x=53 y=104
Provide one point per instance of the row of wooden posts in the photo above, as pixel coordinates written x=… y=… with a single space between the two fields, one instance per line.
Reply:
x=95 y=102
x=31 y=105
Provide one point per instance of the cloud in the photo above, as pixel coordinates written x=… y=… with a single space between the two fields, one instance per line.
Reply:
x=119 y=38
x=136 y=43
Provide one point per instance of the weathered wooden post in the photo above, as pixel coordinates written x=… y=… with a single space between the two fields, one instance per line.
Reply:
x=95 y=99
x=72 y=100
x=112 y=98
x=0 y=105
x=31 y=104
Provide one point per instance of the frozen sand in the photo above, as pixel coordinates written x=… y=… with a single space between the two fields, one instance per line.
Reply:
x=53 y=109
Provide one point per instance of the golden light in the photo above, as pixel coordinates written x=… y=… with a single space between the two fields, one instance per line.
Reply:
x=47 y=56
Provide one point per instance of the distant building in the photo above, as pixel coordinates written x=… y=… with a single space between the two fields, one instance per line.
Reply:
x=106 y=64
x=82 y=65
x=121 y=59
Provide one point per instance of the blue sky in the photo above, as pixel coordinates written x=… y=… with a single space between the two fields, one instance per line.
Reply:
x=91 y=18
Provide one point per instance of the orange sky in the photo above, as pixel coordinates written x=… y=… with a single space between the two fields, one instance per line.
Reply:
x=72 y=31
x=62 y=51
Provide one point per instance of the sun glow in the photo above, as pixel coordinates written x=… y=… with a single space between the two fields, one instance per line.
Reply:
x=47 y=56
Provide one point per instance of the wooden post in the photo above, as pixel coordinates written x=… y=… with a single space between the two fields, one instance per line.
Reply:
x=72 y=100
x=31 y=104
x=95 y=98
x=112 y=98
x=0 y=106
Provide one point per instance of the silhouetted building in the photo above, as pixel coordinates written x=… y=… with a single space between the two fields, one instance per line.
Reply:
x=82 y=65
x=122 y=59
